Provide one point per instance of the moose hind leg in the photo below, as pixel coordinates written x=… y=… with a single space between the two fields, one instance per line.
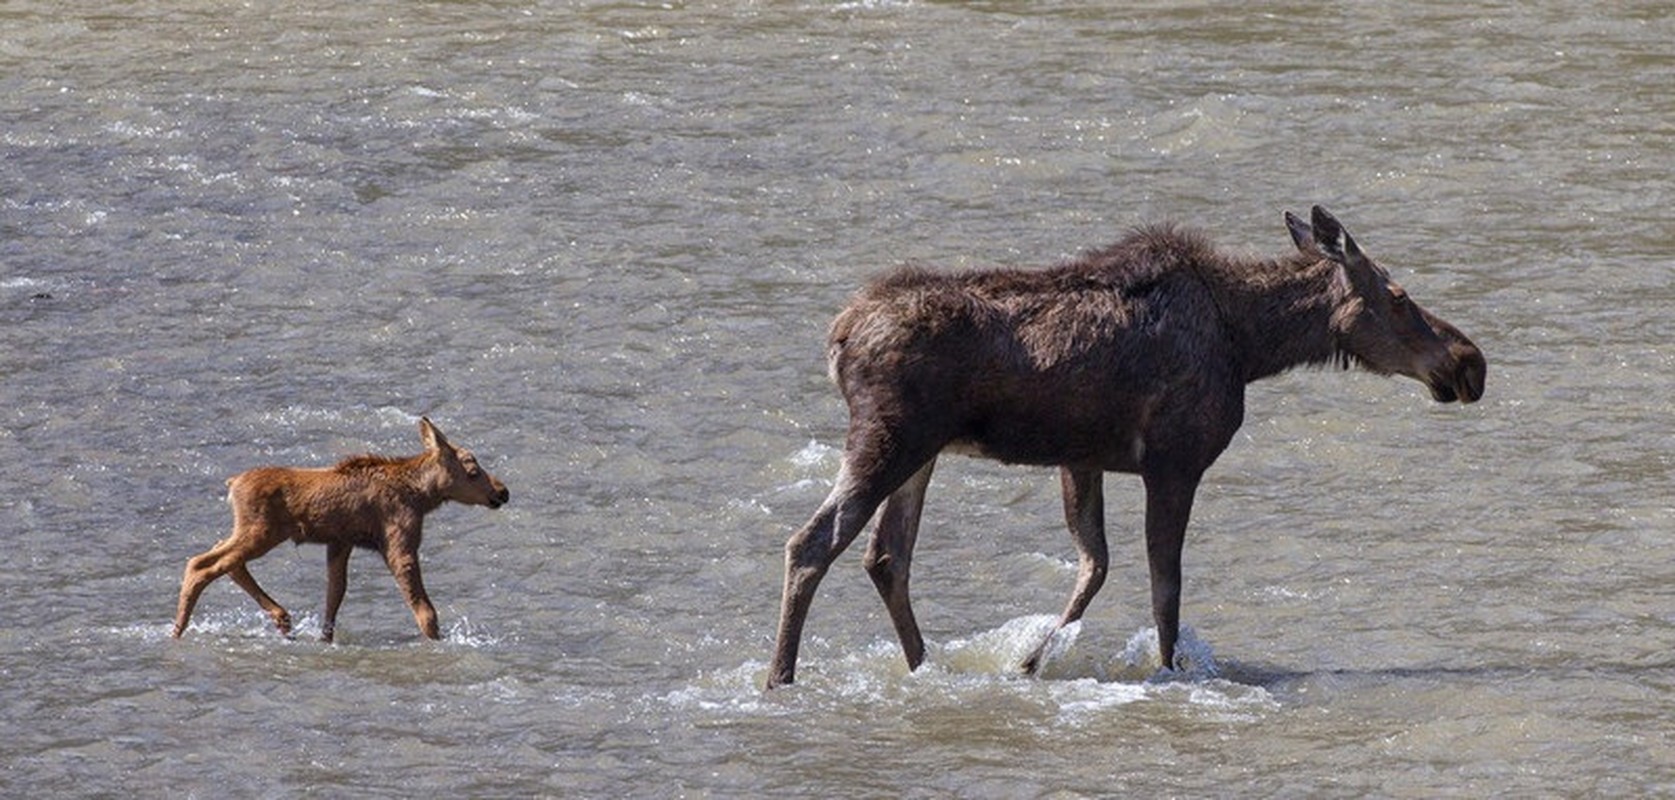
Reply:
x=202 y=569
x=1084 y=513
x=890 y=555
x=808 y=554
x=862 y=484
x=281 y=618
x=192 y=583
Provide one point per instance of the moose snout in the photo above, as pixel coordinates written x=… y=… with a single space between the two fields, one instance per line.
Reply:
x=1459 y=369
x=499 y=498
x=1470 y=375
x=1463 y=376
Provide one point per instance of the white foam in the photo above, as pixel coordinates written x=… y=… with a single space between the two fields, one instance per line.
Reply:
x=462 y=633
x=814 y=454
x=1085 y=678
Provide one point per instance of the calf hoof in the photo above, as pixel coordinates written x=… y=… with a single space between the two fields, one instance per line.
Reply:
x=282 y=621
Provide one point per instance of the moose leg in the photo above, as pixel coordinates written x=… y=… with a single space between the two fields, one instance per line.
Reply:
x=1168 y=507
x=204 y=568
x=874 y=466
x=192 y=583
x=404 y=565
x=281 y=618
x=808 y=554
x=1084 y=512
x=337 y=582
x=890 y=555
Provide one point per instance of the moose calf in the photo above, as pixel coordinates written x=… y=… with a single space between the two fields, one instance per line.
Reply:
x=365 y=501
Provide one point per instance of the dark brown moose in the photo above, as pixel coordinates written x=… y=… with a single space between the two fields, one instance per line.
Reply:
x=365 y=501
x=1131 y=359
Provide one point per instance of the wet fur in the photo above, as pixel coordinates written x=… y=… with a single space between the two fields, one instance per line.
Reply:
x=367 y=501
x=1133 y=358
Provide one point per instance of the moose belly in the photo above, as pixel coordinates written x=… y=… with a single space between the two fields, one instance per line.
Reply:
x=1111 y=448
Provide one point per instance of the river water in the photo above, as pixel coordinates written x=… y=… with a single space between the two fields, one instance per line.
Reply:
x=599 y=243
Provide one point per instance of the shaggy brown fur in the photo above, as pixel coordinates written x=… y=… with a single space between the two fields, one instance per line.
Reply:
x=364 y=501
x=1133 y=358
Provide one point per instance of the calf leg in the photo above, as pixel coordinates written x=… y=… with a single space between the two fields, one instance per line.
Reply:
x=337 y=581
x=281 y=618
x=1084 y=512
x=1168 y=507
x=890 y=556
x=404 y=565
x=228 y=554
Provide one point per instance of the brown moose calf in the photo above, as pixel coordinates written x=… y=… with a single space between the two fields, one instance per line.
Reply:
x=364 y=501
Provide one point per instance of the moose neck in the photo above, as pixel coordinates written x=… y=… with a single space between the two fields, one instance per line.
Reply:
x=409 y=477
x=1278 y=312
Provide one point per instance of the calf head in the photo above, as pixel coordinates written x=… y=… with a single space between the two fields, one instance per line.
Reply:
x=1377 y=326
x=460 y=477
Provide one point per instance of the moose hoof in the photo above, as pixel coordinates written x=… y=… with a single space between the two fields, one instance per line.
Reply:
x=1030 y=666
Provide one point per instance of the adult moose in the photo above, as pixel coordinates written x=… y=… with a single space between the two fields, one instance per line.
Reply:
x=1131 y=359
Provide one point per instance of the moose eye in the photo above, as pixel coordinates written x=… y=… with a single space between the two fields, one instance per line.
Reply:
x=1398 y=297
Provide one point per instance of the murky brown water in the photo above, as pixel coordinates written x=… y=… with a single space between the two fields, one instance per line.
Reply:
x=600 y=243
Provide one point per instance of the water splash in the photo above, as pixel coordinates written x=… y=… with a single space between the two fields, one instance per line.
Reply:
x=1087 y=677
x=464 y=634
x=1194 y=659
x=815 y=454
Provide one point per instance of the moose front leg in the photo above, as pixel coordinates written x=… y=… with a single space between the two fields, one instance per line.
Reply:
x=1084 y=513
x=404 y=565
x=337 y=581
x=281 y=618
x=1168 y=507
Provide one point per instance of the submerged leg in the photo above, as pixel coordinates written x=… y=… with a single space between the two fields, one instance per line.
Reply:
x=1084 y=512
x=890 y=556
x=1168 y=507
x=337 y=582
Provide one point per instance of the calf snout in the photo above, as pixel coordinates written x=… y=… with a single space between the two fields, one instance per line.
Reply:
x=500 y=498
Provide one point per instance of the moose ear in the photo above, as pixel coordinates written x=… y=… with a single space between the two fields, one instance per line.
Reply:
x=1334 y=241
x=1301 y=234
x=432 y=436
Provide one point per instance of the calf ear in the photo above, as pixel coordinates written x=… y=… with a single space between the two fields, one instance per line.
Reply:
x=431 y=435
x=1333 y=240
x=1301 y=234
